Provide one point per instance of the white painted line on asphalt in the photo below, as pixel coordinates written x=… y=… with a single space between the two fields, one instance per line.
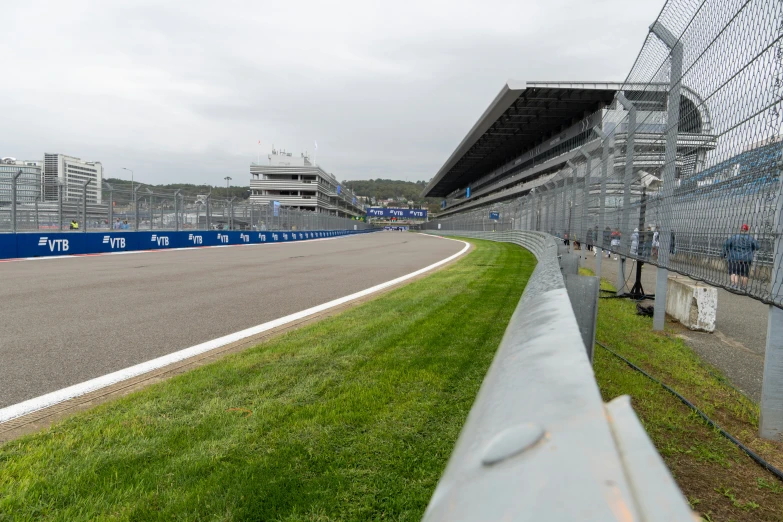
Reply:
x=50 y=399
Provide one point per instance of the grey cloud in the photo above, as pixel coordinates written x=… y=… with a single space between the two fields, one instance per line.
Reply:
x=184 y=91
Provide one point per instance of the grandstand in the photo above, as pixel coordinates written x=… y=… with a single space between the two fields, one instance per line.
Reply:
x=531 y=130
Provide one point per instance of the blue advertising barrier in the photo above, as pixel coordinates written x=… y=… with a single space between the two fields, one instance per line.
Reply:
x=110 y=242
x=8 y=246
x=71 y=243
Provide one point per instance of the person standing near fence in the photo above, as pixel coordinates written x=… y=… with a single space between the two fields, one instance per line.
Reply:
x=738 y=251
x=607 y=241
x=589 y=239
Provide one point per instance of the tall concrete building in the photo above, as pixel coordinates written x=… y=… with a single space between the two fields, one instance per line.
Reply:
x=27 y=185
x=295 y=182
x=71 y=173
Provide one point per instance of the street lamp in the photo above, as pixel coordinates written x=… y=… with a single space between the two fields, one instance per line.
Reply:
x=227 y=178
x=129 y=170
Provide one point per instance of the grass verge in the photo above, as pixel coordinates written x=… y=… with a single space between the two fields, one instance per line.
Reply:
x=352 y=418
x=720 y=481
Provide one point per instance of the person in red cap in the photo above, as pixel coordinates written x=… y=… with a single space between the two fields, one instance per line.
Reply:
x=738 y=251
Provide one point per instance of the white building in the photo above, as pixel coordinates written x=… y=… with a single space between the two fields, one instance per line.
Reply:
x=27 y=185
x=295 y=182
x=71 y=173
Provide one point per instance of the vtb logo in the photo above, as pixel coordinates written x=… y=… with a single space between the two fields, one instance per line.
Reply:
x=160 y=240
x=114 y=242
x=223 y=238
x=196 y=239
x=55 y=245
x=245 y=238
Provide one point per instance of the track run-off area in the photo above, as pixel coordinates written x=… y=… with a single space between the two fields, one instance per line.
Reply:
x=70 y=320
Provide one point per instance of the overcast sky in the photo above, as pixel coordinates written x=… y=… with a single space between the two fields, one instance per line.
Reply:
x=184 y=91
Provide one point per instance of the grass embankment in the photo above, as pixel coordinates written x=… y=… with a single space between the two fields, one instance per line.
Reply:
x=352 y=418
x=720 y=481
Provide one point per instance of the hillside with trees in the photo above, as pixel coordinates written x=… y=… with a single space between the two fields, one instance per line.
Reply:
x=122 y=190
x=382 y=189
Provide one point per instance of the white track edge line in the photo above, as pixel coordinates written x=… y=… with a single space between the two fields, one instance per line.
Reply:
x=50 y=399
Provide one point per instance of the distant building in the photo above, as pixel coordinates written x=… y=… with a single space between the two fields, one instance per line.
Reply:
x=295 y=182
x=71 y=173
x=27 y=185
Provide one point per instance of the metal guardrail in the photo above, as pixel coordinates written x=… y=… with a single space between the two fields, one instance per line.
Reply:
x=539 y=444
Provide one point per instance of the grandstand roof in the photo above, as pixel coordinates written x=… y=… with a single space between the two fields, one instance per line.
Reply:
x=522 y=116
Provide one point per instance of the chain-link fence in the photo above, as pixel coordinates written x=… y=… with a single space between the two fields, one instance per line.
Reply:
x=684 y=170
x=22 y=209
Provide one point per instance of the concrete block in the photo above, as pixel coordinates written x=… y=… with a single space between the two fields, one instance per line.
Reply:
x=583 y=293
x=693 y=304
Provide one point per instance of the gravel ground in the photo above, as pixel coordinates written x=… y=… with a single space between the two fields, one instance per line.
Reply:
x=736 y=346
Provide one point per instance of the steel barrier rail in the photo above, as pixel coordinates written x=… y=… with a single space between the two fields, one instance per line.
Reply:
x=539 y=444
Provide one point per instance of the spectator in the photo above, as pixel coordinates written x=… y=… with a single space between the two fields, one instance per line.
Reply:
x=656 y=243
x=589 y=239
x=607 y=241
x=635 y=242
x=738 y=251
x=117 y=224
x=615 y=243
x=74 y=225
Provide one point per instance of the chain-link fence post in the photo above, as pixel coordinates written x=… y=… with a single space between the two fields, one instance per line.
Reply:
x=176 y=210
x=627 y=180
x=606 y=159
x=585 y=201
x=771 y=419
x=14 y=178
x=669 y=171
x=59 y=206
x=207 y=210
x=569 y=205
x=136 y=207
x=110 y=209
x=84 y=204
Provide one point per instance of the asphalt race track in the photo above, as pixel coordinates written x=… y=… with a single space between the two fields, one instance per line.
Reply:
x=64 y=321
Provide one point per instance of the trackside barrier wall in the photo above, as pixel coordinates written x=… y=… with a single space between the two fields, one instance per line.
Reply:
x=74 y=243
x=539 y=443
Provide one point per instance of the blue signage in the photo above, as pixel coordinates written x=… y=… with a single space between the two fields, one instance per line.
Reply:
x=339 y=189
x=400 y=213
x=42 y=244
x=276 y=207
x=467 y=193
x=494 y=215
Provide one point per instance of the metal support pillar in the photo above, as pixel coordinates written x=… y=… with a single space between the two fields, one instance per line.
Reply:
x=84 y=204
x=771 y=421
x=136 y=207
x=14 y=179
x=585 y=200
x=111 y=209
x=176 y=210
x=553 y=228
x=231 y=213
x=59 y=206
x=208 y=217
x=606 y=160
x=568 y=206
x=669 y=172
x=151 y=208
x=627 y=179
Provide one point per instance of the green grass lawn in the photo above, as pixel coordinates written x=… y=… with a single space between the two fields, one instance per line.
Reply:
x=721 y=483
x=352 y=418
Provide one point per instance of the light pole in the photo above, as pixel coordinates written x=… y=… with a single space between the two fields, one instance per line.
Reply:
x=129 y=170
x=228 y=179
